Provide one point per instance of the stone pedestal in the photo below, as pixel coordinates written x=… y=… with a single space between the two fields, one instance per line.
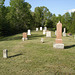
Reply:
x=59 y=46
x=5 y=53
x=48 y=34
x=23 y=39
x=24 y=36
x=29 y=33
x=41 y=28
x=58 y=42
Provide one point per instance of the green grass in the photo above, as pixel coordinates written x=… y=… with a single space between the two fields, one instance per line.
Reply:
x=31 y=57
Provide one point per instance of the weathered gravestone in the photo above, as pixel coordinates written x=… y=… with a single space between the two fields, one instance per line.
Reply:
x=42 y=40
x=44 y=32
x=5 y=53
x=29 y=32
x=55 y=32
x=45 y=28
x=40 y=28
x=64 y=32
x=74 y=36
x=36 y=29
x=48 y=33
x=24 y=36
x=58 y=42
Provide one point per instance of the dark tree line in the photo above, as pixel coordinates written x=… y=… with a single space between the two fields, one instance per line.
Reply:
x=18 y=17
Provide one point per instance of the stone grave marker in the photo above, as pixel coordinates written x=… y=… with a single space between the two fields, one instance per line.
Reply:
x=74 y=36
x=29 y=32
x=55 y=32
x=58 y=42
x=48 y=33
x=45 y=28
x=44 y=32
x=40 y=28
x=64 y=32
x=5 y=53
x=36 y=29
x=24 y=36
x=42 y=40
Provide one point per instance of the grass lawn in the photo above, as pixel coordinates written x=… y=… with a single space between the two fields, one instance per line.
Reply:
x=31 y=57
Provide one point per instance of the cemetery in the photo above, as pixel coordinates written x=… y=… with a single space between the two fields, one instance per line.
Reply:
x=38 y=42
x=31 y=57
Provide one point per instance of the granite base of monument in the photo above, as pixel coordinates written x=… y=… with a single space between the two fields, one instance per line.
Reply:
x=58 y=45
x=23 y=39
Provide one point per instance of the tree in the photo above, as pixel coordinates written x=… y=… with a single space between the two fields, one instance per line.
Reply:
x=4 y=29
x=54 y=20
x=66 y=21
x=42 y=14
x=72 y=27
x=19 y=15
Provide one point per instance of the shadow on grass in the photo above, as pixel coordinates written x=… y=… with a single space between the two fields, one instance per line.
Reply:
x=66 y=47
x=10 y=38
x=14 y=55
x=30 y=37
x=34 y=36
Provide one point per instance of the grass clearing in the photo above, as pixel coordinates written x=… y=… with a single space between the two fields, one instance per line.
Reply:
x=31 y=57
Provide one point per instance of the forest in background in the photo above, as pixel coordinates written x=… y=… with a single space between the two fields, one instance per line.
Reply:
x=18 y=18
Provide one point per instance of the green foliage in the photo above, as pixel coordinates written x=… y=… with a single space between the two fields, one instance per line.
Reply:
x=73 y=23
x=2 y=2
x=54 y=20
x=18 y=17
x=42 y=14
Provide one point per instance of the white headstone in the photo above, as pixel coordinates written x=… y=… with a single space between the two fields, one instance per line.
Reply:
x=48 y=34
x=74 y=36
x=36 y=29
x=5 y=53
x=45 y=28
x=42 y=40
x=64 y=33
x=29 y=33
x=40 y=28
x=65 y=30
x=55 y=32
x=44 y=32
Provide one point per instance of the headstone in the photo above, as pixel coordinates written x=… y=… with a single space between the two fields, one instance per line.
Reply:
x=5 y=53
x=45 y=28
x=36 y=29
x=48 y=34
x=58 y=42
x=42 y=40
x=74 y=36
x=64 y=33
x=24 y=36
x=44 y=32
x=65 y=30
x=40 y=28
x=29 y=33
x=55 y=32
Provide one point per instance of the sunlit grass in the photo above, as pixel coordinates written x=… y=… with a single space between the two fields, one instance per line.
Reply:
x=31 y=57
